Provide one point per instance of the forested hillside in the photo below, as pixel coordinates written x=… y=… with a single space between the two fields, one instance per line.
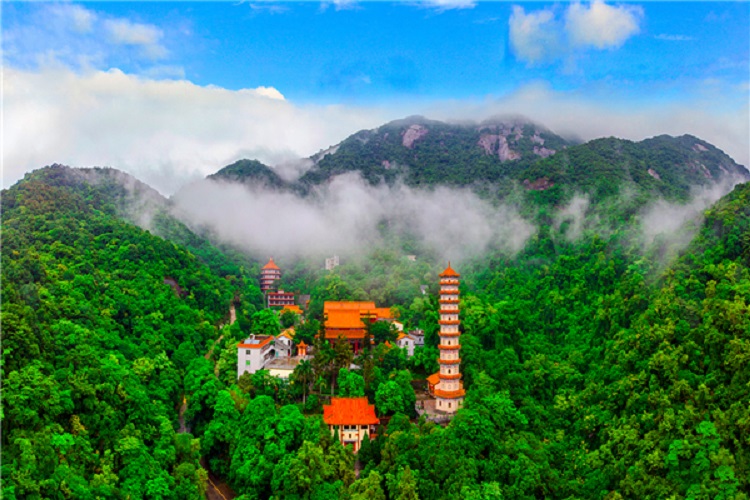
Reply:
x=597 y=365
x=100 y=320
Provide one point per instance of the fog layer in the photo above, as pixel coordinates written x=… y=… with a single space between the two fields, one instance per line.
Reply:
x=345 y=217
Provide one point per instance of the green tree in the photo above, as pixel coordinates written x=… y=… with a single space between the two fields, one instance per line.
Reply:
x=389 y=398
x=350 y=384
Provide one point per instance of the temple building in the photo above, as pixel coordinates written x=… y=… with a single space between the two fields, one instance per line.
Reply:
x=292 y=308
x=269 y=274
x=353 y=418
x=446 y=385
x=280 y=299
x=348 y=319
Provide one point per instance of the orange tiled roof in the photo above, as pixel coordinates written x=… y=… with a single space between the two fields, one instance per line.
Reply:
x=364 y=308
x=348 y=333
x=295 y=309
x=262 y=340
x=449 y=272
x=288 y=333
x=302 y=344
x=379 y=312
x=344 y=319
x=349 y=411
x=450 y=394
x=434 y=378
x=271 y=265
x=347 y=305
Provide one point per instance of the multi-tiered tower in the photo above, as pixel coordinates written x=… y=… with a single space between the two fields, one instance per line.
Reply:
x=269 y=274
x=449 y=392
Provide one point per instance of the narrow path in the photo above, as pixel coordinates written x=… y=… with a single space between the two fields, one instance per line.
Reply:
x=183 y=428
x=232 y=314
x=216 y=489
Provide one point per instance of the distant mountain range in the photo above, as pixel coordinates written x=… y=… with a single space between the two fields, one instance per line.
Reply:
x=504 y=153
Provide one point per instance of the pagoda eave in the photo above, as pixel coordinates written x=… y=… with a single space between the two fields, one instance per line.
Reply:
x=450 y=376
x=450 y=394
x=449 y=334
x=449 y=361
x=449 y=347
x=449 y=321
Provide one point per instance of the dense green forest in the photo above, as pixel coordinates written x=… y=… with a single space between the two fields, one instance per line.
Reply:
x=595 y=366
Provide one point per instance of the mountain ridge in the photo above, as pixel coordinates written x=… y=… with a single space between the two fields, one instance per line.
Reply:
x=503 y=151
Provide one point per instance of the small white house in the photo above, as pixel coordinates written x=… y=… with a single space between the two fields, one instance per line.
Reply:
x=418 y=336
x=253 y=353
x=285 y=343
x=406 y=341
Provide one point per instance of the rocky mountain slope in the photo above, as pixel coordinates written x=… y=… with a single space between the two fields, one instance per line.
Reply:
x=498 y=155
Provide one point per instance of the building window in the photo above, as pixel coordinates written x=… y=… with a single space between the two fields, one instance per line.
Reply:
x=449 y=405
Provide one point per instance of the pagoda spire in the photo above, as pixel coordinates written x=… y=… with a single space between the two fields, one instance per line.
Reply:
x=449 y=391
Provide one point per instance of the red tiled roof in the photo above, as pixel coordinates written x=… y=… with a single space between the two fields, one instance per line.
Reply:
x=349 y=411
x=449 y=272
x=271 y=265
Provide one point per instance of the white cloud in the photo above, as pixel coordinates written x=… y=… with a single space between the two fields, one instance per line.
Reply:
x=269 y=8
x=169 y=132
x=342 y=218
x=443 y=5
x=163 y=132
x=720 y=116
x=534 y=37
x=146 y=36
x=80 y=38
x=674 y=38
x=80 y=19
x=539 y=36
x=600 y=25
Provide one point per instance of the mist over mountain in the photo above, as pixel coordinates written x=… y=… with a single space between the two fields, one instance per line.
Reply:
x=458 y=189
x=423 y=152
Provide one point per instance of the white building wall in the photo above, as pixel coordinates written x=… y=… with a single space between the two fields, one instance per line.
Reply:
x=252 y=360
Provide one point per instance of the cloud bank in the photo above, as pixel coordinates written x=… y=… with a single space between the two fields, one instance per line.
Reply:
x=343 y=218
x=167 y=133
x=163 y=132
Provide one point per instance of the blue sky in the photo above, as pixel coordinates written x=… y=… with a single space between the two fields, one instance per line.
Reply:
x=316 y=72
